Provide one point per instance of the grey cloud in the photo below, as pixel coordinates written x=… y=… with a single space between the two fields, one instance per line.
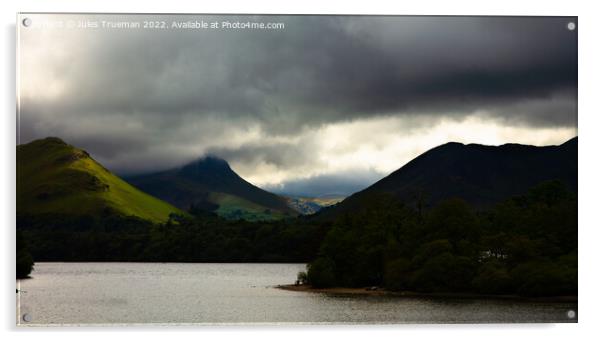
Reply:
x=325 y=68
x=278 y=154
x=192 y=87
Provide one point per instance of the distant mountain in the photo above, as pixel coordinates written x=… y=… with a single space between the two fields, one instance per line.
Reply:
x=479 y=174
x=311 y=205
x=55 y=177
x=210 y=184
x=338 y=184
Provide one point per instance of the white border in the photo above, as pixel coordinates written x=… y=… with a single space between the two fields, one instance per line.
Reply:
x=590 y=54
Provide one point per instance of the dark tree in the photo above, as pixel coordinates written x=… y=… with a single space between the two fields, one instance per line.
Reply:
x=24 y=258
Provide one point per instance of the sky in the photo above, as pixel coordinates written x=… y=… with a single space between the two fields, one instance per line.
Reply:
x=323 y=105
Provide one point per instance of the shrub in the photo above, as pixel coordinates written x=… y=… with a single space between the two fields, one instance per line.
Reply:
x=302 y=278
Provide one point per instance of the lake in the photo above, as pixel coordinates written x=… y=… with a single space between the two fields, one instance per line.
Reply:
x=208 y=293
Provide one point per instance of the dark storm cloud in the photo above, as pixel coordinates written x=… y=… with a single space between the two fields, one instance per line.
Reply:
x=108 y=147
x=281 y=155
x=158 y=90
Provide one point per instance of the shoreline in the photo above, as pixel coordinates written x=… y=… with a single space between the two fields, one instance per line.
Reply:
x=366 y=291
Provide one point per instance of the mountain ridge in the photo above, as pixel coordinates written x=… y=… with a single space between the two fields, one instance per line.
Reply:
x=482 y=175
x=210 y=184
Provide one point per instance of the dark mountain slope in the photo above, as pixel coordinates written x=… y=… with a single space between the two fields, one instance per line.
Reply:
x=479 y=174
x=210 y=184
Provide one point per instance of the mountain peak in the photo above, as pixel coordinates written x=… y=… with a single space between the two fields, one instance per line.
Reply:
x=209 y=183
x=208 y=164
x=213 y=161
x=46 y=143
x=449 y=146
x=53 y=140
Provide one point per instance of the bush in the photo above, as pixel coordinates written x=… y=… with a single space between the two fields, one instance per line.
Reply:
x=302 y=278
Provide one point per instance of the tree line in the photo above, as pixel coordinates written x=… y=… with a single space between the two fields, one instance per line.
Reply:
x=204 y=237
x=526 y=245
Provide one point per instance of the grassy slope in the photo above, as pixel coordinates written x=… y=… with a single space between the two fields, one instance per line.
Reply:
x=53 y=176
x=234 y=207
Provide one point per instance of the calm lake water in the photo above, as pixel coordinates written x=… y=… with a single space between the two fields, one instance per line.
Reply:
x=104 y=293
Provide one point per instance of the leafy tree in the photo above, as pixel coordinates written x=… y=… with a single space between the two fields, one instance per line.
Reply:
x=445 y=273
x=541 y=278
x=397 y=274
x=24 y=258
x=453 y=220
x=493 y=278
x=320 y=273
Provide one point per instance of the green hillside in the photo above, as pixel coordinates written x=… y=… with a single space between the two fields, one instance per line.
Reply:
x=55 y=177
x=233 y=208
